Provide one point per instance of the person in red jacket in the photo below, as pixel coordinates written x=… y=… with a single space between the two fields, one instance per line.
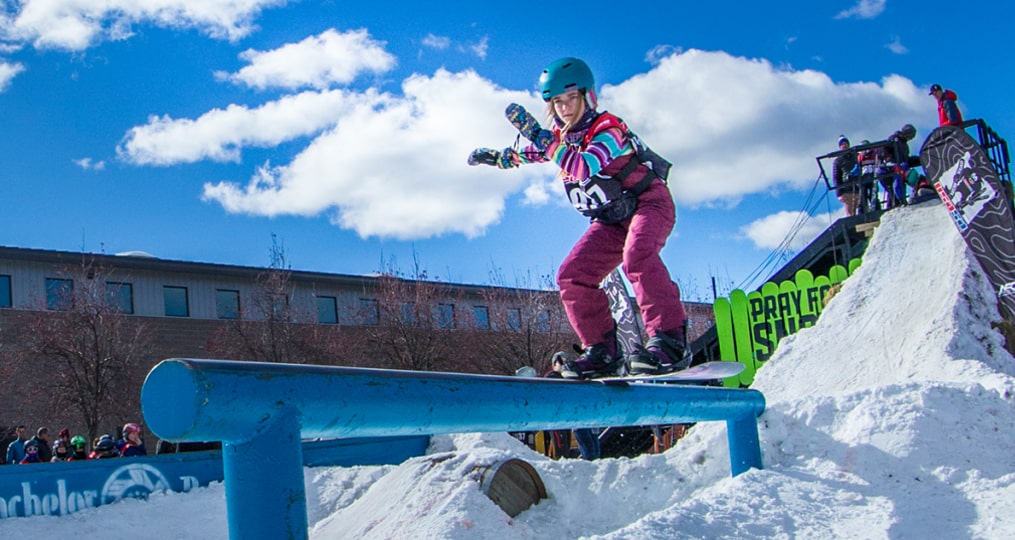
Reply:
x=632 y=214
x=131 y=444
x=948 y=113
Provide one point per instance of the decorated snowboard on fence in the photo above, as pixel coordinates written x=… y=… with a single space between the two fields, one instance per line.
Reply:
x=629 y=328
x=702 y=372
x=968 y=185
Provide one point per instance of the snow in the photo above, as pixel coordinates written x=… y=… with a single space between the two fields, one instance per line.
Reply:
x=891 y=418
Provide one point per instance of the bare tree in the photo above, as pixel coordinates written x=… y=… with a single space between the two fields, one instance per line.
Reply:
x=93 y=352
x=273 y=328
x=527 y=325
x=414 y=321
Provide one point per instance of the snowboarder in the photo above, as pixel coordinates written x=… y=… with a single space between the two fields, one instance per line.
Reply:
x=632 y=213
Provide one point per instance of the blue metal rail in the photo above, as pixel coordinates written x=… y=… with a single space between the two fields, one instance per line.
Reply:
x=262 y=411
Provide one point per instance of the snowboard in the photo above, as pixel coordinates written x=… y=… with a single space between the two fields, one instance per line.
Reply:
x=707 y=371
x=968 y=185
x=629 y=328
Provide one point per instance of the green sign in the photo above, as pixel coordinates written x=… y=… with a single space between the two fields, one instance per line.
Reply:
x=750 y=326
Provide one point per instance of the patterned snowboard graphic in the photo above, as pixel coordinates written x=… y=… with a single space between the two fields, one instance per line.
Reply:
x=629 y=328
x=968 y=185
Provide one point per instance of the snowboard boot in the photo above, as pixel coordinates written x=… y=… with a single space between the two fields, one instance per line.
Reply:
x=595 y=361
x=664 y=353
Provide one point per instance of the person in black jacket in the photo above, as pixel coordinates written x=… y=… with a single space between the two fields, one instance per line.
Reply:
x=41 y=438
x=559 y=439
x=842 y=173
x=896 y=164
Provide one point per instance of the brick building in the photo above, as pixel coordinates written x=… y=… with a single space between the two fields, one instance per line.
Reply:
x=186 y=306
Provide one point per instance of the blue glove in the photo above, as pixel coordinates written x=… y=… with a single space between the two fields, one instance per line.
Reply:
x=528 y=126
x=488 y=156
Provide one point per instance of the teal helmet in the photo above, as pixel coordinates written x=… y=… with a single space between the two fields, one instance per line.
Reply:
x=566 y=74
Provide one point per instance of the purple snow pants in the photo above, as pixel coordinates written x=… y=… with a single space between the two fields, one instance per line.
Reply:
x=636 y=243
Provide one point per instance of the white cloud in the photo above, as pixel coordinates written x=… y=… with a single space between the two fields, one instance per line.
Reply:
x=657 y=53
x=8 y=71
x=317 y=62
x=394 y=165
x=89 y=165
x=75 y=24
x=795 y=229
x=442 y=43
x=479 y=49
x=219 y=135
x=896 y=46
x=437 y=42
x=864 y=9
x=734 y=126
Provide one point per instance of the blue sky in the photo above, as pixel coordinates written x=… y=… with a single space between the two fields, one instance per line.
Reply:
x=197 y=129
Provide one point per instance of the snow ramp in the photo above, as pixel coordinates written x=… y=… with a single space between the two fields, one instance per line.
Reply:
x=892 y=417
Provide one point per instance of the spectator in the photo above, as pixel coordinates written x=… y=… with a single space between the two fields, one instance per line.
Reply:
x=32 y=448
x=42 y=442
x=587 y=438
x=895 y=166
x=64 y=436
x=61 y=451
x=79 y=450
x=948 y=113
x=16 y=450
x=922 y=190
x=559 y=439
x=104 y=448
x=867 y=165
x=131 y=444
x=588 y=443
x=842 y=173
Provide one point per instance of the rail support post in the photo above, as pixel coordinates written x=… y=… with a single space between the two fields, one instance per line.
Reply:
x=265 y=475
x=744 y=443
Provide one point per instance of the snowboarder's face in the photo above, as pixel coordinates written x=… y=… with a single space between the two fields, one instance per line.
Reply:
x=568 y=106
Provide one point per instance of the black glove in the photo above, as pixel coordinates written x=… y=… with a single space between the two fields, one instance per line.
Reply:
x=528 y=126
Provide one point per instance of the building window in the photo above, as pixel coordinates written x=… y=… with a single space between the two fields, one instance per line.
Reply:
x=409 y=314
x=175 y=299
x=279 y=306
x=120 y=296
x=327 y=310
x=481 y=317
x=369 y=312
x=543 y=321
x=227 y=304
x=5 y=291
x=445 y=315
x=514 y=319
x=59 y=294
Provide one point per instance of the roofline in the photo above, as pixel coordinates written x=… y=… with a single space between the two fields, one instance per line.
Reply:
x=157 y=264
